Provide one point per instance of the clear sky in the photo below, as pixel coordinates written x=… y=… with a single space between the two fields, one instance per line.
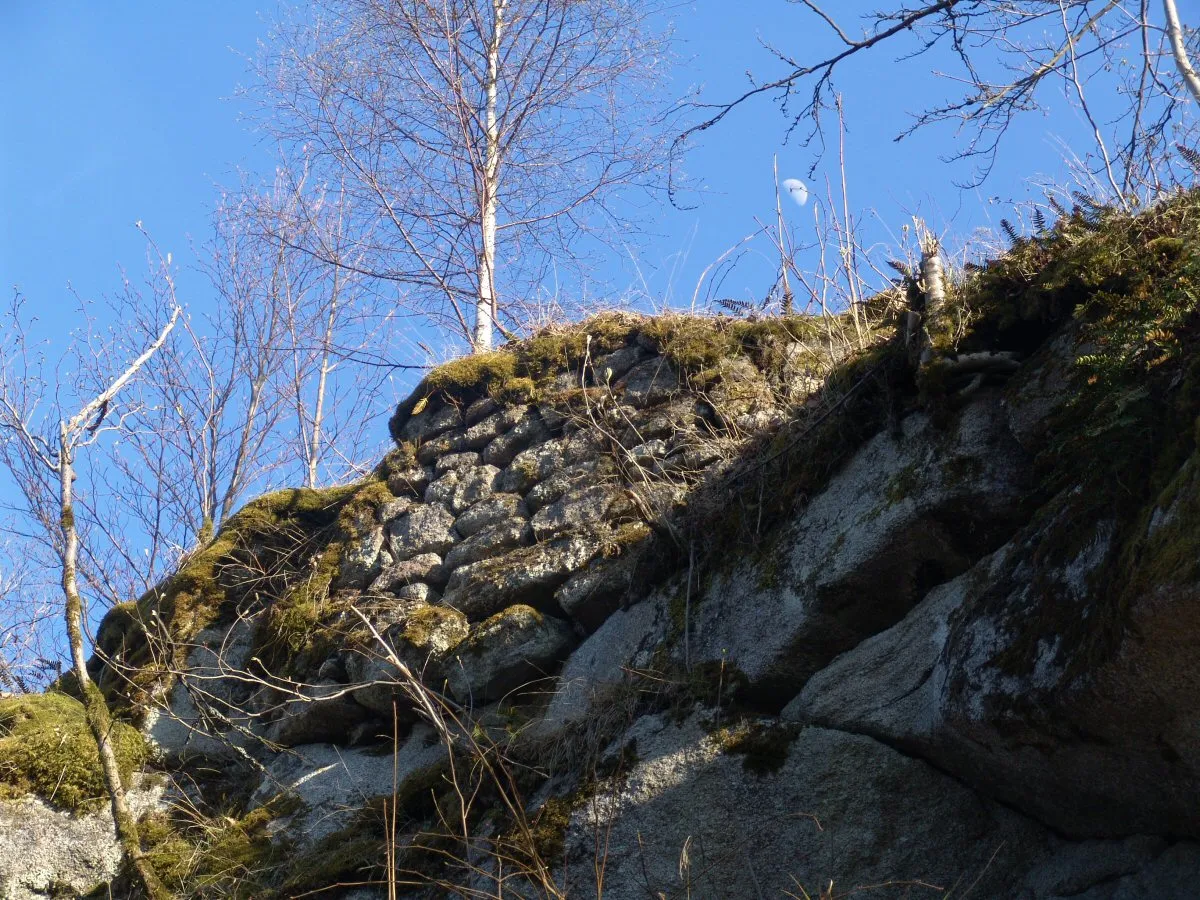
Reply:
x=118 y=112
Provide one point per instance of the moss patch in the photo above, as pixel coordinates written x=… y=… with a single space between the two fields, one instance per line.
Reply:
x=763 y=746
x=47 y=749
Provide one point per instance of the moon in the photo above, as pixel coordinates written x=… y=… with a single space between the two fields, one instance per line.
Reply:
x=796 y=189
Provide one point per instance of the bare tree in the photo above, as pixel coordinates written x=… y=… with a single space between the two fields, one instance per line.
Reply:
x=1008 y=54
x=277 y=378
x=40 y=441
x=482 y=136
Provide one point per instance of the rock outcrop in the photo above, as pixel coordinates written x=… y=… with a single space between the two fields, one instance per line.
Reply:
x=724 y=608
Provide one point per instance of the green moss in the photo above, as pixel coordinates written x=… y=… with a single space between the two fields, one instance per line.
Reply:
x=426 y=621
x=1126 y=423
x=295 y=625
x=477 y=373
x=763 y=746
x=903 y=484
x=47 y=749
x=548 y=830
x=225 y=856
x=625 y=536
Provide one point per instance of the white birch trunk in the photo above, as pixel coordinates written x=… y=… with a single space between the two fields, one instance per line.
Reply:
x=1179 y=49
x=485 y=307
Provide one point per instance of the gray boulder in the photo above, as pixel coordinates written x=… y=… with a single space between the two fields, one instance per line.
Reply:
x=529 y=430
x=752 y=810
x=494 y=509
x=527 y=575
x=425 y=567
x=492 y=541
x=47 y=853
x=1016 y=678
x=459 y=489
x=421 y=640
x=649 y=383
x=437 y=418
x=586 y=505
x=508 y=651
x=423 y=529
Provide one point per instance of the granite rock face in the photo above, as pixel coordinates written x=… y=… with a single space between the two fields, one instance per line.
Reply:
x=923 y=671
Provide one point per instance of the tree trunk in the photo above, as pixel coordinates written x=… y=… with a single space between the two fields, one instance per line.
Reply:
x=314 y=447
x=934 y=278
x=485 y=307
x=96 y=710
x=1179 y=49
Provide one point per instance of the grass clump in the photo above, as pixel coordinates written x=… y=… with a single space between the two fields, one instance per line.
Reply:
x=47 y=749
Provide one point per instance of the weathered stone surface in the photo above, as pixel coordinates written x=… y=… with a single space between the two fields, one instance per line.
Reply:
x=423 y=529
x=483 y=433
x=902 y=516
x=985 y=680
x=558 y=483
x=479 y=410
x=334 y=782
x=421 y=640
x=650 y=382
x=394 y=509
x=528 y=431
x=456 y=462
x=435 y=419
x=491 y=541
x=447 y=444
x=495 y=508
x=590 y=596
x=667 y=421
x=839 y=806
x=585 y=505
x=538 y=463
x=1094 y=869
x=597 y=674
x=615 y=365
x=426 y=567
x=417 y=591
x=360 y=562
x=528 y=575
x=649 y=455
x=459 y=489
x=410 y=482
x=47 y=853
x=508 y=651
x=209 y=689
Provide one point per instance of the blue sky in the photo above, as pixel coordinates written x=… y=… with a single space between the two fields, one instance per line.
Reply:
x=120 y=112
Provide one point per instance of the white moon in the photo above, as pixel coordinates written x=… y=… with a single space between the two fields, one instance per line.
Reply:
x=797 y=190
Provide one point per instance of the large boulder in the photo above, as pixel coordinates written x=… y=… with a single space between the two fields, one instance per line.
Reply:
x=757 y=810
x=47 y=853
x=907 y=512
x=1028 y=678
x=422 y=639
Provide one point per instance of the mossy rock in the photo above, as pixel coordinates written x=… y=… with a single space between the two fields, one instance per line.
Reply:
x=47 y=749
x=292 y=541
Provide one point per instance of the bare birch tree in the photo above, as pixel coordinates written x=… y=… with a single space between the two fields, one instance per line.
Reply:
x=1125 y=55
x=481 y=137
x=40 y=441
